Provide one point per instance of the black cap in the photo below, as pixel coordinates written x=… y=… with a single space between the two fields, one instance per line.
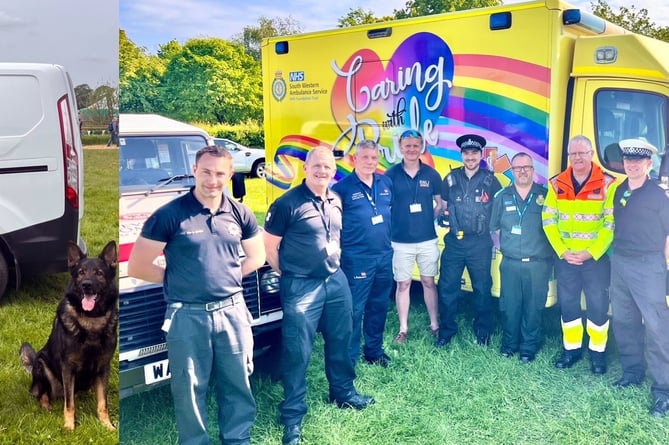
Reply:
x=470 y=142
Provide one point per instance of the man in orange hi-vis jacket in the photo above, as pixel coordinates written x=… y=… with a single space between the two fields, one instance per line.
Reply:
x=578 y=222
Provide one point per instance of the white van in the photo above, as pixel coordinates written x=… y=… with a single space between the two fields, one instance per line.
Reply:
x=41 y=171
x=156 y=157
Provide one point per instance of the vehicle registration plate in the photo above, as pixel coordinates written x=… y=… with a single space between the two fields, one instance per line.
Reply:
x=156 y=372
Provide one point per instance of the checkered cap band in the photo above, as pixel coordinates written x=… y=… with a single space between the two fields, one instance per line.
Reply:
x=637 y=151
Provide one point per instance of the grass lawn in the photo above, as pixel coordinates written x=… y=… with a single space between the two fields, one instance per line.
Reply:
x=465 y=394
x=27 y=315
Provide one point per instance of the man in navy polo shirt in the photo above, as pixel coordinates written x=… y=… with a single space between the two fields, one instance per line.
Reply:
x=367 y=255
x=302 y=232
x=416 y=203
x=207 y=323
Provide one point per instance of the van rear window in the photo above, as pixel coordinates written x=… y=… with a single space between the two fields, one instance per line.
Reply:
x=21 y=104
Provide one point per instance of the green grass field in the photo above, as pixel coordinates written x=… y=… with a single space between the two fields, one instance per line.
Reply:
x=465 y=394
x=27 y=314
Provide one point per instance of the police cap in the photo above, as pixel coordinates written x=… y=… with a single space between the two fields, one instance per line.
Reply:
x=470 y=142
x=636 y=149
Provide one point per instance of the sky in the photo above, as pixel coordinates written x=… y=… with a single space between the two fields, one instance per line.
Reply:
x=81 y=35
x=150 y=23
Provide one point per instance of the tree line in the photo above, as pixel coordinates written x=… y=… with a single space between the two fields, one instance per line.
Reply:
x=212 y=80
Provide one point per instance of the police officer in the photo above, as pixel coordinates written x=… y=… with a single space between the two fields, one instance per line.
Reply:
x=638 y=274
x=366 y=253
x=578 y=221
x=527 y=262
x=302 y=232
x=468 y=192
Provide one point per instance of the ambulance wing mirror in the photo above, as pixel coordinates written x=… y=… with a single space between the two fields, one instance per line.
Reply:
x=664 y=168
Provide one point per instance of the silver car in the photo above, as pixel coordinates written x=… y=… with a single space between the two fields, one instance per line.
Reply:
x=250 y=161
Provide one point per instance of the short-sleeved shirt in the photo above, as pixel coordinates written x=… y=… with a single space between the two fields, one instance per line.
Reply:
x=641 y=219
x=309 y=227
x=202 y=253
x=408 y=226
x=366 y=218
x=519 y=222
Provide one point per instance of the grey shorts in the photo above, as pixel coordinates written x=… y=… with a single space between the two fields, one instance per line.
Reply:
x=407 y=255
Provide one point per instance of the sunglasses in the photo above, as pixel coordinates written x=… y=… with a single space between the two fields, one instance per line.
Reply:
x=626 y=195
x=411 y=134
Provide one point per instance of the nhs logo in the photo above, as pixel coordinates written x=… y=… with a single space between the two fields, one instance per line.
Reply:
x=296 y=76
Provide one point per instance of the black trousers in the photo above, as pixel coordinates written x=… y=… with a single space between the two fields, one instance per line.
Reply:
x=524 y=287
x=474 y=253
x=641 y=318
x=310 y=305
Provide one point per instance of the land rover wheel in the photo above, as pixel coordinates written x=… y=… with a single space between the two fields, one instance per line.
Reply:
x=258 y=169
x=4 y=275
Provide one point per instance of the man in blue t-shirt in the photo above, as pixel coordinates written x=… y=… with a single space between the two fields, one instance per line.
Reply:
x=366 y=253
x=200 y=234
x=416 y=203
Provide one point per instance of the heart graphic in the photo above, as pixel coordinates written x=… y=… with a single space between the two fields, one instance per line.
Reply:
x=405 y=91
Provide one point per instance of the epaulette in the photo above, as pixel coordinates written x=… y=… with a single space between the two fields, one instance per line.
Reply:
x=500 y=191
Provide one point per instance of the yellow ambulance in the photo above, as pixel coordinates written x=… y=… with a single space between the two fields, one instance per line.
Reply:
x=525 y=76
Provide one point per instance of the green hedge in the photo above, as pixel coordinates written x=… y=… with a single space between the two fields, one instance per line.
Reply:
x=94 y=139
x=249 y=133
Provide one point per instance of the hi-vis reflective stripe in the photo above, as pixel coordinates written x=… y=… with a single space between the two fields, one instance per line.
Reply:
x=578 y=235
x=572 y=334
x=598 y=336
x=582 y=217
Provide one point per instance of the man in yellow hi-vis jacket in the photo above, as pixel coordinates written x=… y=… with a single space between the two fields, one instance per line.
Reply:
x=578 y=222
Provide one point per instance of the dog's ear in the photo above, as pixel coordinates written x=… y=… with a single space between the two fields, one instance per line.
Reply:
x=110 y=255
x=74 y=254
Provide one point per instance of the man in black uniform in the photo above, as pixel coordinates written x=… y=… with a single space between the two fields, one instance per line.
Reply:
x=527 y=262
x=638 y=275
x=302 y=233
x=468 y=192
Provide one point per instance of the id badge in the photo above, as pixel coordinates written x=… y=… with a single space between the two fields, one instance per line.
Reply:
x=415 y=208
x=377 y=219
x=516 y=230
x=332 y=247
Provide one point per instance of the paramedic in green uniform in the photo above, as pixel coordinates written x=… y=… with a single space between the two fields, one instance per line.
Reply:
x=527 y=260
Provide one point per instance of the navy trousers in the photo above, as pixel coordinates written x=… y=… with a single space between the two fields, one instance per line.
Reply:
x=370 y=279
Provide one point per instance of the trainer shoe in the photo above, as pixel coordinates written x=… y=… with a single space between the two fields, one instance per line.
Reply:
x=400 y=338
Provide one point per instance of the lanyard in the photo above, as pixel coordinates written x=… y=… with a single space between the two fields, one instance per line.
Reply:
x=527 y=204
x=322 y=213
x=408 y=181
x=371 y=198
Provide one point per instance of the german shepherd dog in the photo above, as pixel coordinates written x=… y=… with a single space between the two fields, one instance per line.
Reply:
x=83 y=338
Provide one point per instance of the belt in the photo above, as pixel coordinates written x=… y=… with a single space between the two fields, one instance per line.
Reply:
x=211 y=306
x=530 y=259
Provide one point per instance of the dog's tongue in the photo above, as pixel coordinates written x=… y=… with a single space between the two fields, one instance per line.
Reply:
x=88 y=303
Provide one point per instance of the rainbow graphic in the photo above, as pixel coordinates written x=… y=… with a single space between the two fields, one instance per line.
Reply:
x=503 y=99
